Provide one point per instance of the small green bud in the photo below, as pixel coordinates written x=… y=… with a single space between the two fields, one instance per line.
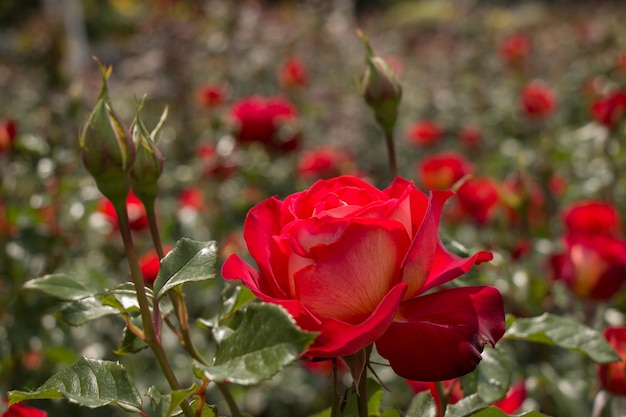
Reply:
x=149 y=162
x=380 y=87
x=107 y=151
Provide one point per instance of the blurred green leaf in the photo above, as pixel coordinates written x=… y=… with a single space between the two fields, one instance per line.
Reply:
x=422 y=405
x=189 y=261
x=165 y=405
x=563 y=332
x=266 y=341
x=130 y=342
x=90 y=383
x=207 y=410
x=492 y=377
x=82 y=311
x=60 y=286
x=496 y=412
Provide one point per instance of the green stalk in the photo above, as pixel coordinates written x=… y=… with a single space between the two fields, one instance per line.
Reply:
x=144 y=307
x=336 y=404
x=362 y=395
x=181 y=310
x=391 y=152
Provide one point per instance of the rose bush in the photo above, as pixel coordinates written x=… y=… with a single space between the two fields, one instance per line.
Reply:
x=357 y=264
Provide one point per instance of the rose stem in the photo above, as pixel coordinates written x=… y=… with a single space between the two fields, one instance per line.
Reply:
x=150 y=336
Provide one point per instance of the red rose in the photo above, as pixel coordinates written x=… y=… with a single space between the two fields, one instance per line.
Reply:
x=424 y=133
x=613 y=375
x=211 y=95
x=323 y=163
x=8 y=131
x=150 y=264
x=514 y=398
x=22 y=410
x=514 y=49
x=478 y=198
x=537 y=100
x=592 y=265
x=591 y=217
x=443 y=170
x=610 y=109
x=357 y=264
x=136 y=212
x=260 y=120
x=217 y=164
x=293 y=74
x=470 y=137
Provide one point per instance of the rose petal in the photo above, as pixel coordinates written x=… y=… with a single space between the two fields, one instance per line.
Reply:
x=421 y=255
x=418 y=200
x=441 y=335
x=352 y=275
x=339 y=338
x=447 y=266
x=261 y=224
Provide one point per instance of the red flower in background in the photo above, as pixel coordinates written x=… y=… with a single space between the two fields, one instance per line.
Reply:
x=592 y=265
x=470 y=137
x=610 y=109
x=613 y=375
x=592 y=217
x=214 y=164
x=191 y=199
x=211 y=95
x=293 y=74
x=478 y=199
x=324 y=163
x=8 y=132
x=150 y=265
x=22 y=410
x=137 y=216
x=357 y=264
x=424 y=133
x=443 y=170
x=537 y=100
x=511 y=402
x=514 y=50
x=260 y=120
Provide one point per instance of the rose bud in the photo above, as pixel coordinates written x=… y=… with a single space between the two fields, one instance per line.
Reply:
x=107 y=151
x=211 y=96
x=424 y=133
x=380 y=88
x=293 y=74
x=8 y=132
x=149 y=160
x=592 y=217
x=443 y=170
x=537 y=100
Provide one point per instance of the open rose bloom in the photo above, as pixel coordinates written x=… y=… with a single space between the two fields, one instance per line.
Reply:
x=360 y=266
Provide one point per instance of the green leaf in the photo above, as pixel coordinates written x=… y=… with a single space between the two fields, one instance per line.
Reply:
x=422 y=405
x=391 y=412
x=166 y=405
x=60 y=286
x=82 y=311
x=492 y=377
x=207 y=410
x=266 y=341
x=90 y=383
x=188 y=261
x=496 y=412
x=563 y=332
x=130 y=342
x=466 y=406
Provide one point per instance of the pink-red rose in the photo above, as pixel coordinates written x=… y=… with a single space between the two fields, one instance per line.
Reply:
x=537 y=100
x=591 y=217
x=442 y=170
x=424 y=133
x=23 y=410
x=359 y=266
x=324 y=163
x=613 y=375
x=268 y=121
x=610 y=109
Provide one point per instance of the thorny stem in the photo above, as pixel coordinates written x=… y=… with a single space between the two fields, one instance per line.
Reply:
x=181 y=311
x=150 y=336
x=336 y=404
x=362 y=395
